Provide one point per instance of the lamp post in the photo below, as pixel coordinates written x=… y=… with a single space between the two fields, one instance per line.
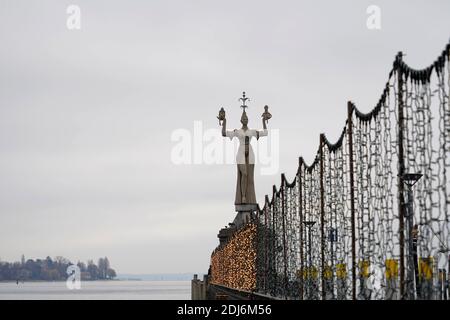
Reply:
x=332 y=238
x=309 y=224
x=410 y=179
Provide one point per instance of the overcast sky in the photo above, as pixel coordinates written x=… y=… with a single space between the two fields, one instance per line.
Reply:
x=86 y=116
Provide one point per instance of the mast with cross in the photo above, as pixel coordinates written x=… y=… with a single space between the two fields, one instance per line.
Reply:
x=244 y=99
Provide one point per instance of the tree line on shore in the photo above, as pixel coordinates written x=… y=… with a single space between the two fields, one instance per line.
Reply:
x=49 y=269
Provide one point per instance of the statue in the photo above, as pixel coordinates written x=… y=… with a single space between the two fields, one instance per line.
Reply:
x=245 y=199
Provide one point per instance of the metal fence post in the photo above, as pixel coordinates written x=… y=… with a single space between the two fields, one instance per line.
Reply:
x=266 y=245
x=283 y=215
x=352 y=194
x=401 y=171
x=274 y=249
x=322 y=216
x=300 y=201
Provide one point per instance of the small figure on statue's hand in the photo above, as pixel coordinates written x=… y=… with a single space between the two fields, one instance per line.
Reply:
x=221 y=116
x=266 y=115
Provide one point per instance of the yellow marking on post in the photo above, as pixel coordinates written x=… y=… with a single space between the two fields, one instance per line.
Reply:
x=314 y=273
x=364 y=268
x=391 y=269
x=341 y=271
x=328 y=272
x=310 y=273
x=426 y=268
x=304 y=274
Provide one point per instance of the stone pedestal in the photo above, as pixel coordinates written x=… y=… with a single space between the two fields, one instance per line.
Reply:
x=244 y=214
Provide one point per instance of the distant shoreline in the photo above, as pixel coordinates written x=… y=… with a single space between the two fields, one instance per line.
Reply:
x=121 y=277
x=186 y=276
x=62 y=280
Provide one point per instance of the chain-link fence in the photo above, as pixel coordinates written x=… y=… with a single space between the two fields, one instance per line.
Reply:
x=369 y=218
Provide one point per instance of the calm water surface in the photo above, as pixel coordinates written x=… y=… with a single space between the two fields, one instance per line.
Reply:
x=103 y=290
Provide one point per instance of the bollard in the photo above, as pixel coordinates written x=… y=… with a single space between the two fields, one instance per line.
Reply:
x=440 y=285
x=194 y=287
x=426 y=277
x=312 y=285
x=341 y=275
x=391 y=279
x=328 y=278
x=204 y=287
x=364 y=273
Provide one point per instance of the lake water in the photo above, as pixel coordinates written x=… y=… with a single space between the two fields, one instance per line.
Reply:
x=101 y=290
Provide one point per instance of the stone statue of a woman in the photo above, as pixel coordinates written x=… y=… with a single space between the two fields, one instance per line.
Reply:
x=245 y=159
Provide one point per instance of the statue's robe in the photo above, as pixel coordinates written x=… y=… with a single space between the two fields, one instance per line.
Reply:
x=245 y=160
